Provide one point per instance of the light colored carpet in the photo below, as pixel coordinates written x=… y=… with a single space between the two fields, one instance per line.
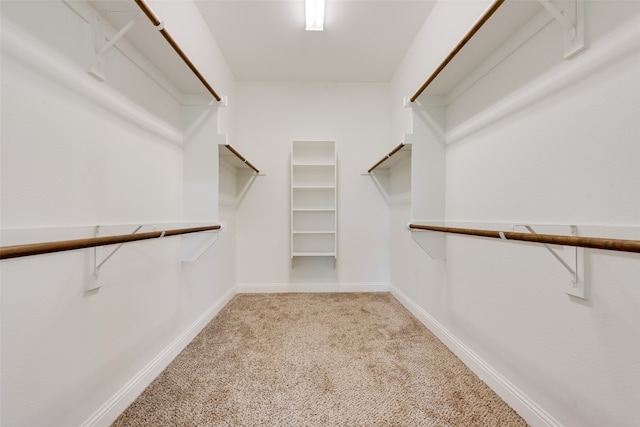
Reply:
x=305 y=359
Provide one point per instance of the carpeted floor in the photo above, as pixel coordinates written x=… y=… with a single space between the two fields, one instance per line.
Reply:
x=341 y=359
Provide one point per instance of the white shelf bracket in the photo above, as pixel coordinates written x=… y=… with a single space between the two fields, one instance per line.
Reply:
x=120 y=34
x=572 y=259
x=572 y=20
x=99 y=46
x=93 y=283
x=434 y=243
x=96 y=65
x=196 y=244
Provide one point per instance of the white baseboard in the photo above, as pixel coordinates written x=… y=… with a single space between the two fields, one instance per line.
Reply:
x=512 y=395
x=271 y=288
x=113 y=407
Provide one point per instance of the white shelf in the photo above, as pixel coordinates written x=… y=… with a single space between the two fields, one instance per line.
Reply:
x=148 y=40
x=313 y=232
x=507 y=20
x=314 y=254
x=313 y=153
x=311 y=254
x=230 y=157
x=313 y=198
x=324 y=164
x=400 y=154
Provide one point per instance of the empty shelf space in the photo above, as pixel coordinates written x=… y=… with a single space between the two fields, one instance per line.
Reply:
x=155 y=43
x=501 y=20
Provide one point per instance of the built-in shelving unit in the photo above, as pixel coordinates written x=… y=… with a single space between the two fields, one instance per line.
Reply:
x=313 y=199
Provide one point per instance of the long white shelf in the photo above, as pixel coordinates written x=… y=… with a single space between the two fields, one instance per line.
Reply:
x=153 y=43
x=500 y=22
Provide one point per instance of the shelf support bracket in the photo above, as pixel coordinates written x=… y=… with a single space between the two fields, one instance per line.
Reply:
x=573 y=262
x=93 y=284
x=572 y=20
x=433 y=243
x=99 y=47
x=195 y=245
x=120 y=34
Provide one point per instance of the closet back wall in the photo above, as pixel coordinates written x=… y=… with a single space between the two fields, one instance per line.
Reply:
x=269 y=116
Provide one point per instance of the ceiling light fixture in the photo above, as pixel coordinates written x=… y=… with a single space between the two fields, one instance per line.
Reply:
x=314 y=10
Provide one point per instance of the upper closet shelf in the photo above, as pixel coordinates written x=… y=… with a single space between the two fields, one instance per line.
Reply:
x=230 y=157
x=500 y=22
x=399 y=154
x=148 y=35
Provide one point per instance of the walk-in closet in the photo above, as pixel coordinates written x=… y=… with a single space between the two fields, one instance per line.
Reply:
x=391 y=212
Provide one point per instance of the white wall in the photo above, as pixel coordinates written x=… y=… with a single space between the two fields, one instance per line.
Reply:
x=269 y=117
x=77 y=152
x=557 y=145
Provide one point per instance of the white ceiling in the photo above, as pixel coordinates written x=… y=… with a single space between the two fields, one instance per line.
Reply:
x=363 y=40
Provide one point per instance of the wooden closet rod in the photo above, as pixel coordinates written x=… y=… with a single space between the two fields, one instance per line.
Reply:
x=242 y=159
x=484 y=18
x=585 y=242
x=160 y=26
x=391 y=153
x=68 y=245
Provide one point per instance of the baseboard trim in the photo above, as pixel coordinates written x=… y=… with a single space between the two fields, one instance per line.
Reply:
x=519 y=401
x=272 y=288
x=113 y=407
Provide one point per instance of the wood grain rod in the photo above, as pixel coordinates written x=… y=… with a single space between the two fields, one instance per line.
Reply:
x=553 y=239
x=391 y=153
x=481 y=21
x=242 y=159
x=156 y=22
x=16 y=251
